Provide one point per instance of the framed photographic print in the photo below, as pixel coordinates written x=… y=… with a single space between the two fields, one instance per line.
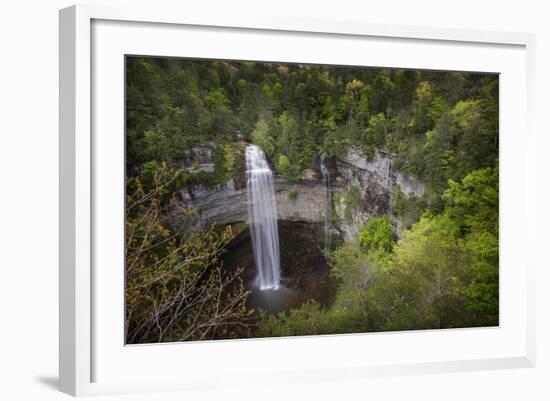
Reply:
x=290 y=199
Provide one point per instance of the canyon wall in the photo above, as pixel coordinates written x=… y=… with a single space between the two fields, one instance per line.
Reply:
x=361 y=188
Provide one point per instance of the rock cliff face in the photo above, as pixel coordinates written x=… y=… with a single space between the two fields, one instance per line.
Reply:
x=199 y=158
x=380 y=171
x=366 y=186
x=227 y=204
x=361 y=189
x=304 y=201
x=224 y=204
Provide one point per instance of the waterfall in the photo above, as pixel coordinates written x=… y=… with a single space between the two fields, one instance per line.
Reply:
x=328 y=204
x=262 y=215
x=387 y=171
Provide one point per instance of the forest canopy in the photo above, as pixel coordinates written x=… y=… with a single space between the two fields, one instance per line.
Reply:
x=441 y=125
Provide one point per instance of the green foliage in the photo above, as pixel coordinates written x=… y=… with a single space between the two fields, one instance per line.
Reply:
x=439 y=154
x=476 y=134
x=375 y=134
x=289 y=132
x=382 y=92
x=287 y=170
x=349 y=262
x=307 y=319
x=441 y=125
x=422 y=118
x=176 y=288
x=442 y=273
x=262 y=137
x=352 y=199
x=474 y=204
x=426 y=272
x=354 y=94
x=407 y=209
x=295 y=142
x=377 y=235
x=224 y=160
x=447 y=137
x=293 y=195
x=363 y=105
x=338 y=139
x=216 y=99
x=474 y=201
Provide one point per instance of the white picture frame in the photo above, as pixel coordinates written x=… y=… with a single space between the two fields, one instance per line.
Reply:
x=84 y=349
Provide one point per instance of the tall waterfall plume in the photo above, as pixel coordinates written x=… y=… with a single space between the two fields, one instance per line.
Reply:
x=262 y=215
x=328 y=204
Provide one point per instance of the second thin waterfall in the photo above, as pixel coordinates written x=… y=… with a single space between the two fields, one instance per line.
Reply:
x=328 y=204
x=262 y=215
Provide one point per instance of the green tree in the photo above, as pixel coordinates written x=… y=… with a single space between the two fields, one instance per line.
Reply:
x=377 y=235
x=176 y=289
x=224 y=160
x=475 y=137
x=473 y=203
x=382 y=92
x=261 y=136
x=422 y=118
x=347 y=106
x=289 y=171
x=438 y=154
x=289 y=137
x=375 y=134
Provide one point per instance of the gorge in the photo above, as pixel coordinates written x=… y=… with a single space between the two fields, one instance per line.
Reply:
x=373 y=181
x=284 y=228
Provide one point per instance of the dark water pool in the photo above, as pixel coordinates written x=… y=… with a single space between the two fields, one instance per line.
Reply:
x=304 y=270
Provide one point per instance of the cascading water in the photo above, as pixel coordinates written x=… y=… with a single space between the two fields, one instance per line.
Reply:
x=328 y=204
x=387 y=170
x=262 y=215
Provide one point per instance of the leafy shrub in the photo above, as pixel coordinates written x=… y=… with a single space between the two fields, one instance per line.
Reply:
x=377 y=235
x=352 y=201
x=176 y=288
x=224 y=160
x=293 y=195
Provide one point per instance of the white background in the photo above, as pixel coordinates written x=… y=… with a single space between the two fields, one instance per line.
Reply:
x=29 y=185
